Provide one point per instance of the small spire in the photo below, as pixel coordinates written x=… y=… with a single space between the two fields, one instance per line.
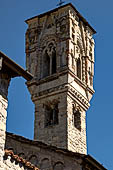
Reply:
x=60 y=3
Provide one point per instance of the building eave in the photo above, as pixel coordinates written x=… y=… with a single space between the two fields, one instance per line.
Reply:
x=19 y=160
x=86 y=158
x=16 y=69
x=95 y=163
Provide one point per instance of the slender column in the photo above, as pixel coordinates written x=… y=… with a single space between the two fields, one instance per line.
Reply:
x=83 y=70
x=50 y=64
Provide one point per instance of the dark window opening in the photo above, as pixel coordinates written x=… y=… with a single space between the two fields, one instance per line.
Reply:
x=54 y=63
x=49 y=61
x=51 y=115
x=73 y=37
x=77 y=119
x=79 y=68
x=46 y=65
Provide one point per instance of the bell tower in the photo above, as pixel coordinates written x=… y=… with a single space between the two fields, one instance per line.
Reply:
x=60 y=55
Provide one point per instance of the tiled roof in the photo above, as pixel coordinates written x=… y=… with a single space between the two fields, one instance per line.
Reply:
x=20 y=160
x=85 y=158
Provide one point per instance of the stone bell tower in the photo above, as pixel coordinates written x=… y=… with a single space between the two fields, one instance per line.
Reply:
x=60 y=55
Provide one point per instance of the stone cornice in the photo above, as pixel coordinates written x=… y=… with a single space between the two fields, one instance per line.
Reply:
x=84 y=101
x=83 y=85
x=50 y=92
x=35 y=81
x=86 y=159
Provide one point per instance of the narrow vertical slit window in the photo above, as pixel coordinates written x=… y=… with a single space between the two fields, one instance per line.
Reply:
x=79 y=68
x=54 y=62
x=46 y=65
x=77 y=119
x=73 y=37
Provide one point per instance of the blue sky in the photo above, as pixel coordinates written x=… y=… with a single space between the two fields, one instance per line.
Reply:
x=99 y=14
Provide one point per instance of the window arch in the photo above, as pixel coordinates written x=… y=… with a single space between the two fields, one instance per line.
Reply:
x=49 y=63
x=58 y=166
x=45 y=164
x=33 y=159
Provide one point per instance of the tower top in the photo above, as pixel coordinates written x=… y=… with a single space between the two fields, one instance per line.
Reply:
x=60 y=7
x=60 y=3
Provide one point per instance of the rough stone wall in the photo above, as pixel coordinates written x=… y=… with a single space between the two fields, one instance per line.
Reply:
x=61 y=34
x=49 y=93
x=4 y=83
x=3 y=115
x=76 y=136
x=54 y=134
x=44 y=158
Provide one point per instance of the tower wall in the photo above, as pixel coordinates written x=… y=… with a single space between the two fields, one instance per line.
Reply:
x=60 y=55
x=76 y=135
x=3 y=115
x=53 y=133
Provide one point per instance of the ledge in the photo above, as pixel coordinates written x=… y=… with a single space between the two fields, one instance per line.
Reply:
x=12 y=68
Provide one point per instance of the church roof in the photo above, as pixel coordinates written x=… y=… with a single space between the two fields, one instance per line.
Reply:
x=18 y=159
x=54 y=10
x=86 y=158
x=12 y=68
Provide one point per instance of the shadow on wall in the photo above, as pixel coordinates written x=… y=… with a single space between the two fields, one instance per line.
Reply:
x=20 y=118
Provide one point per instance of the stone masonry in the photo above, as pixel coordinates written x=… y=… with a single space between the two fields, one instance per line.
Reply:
x=3 y=115
x=60 y=55
x=4 y=83
x=8 y=70
x=60 y=59
x=47 y=157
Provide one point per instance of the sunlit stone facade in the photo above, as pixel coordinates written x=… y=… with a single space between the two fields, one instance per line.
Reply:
x=60 y=55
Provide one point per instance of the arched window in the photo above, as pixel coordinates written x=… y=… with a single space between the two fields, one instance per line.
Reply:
x=49 y=60
x=45 y=164
x=58 y=166
x=34 y=160
x=79 y=68
x=46 y=65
